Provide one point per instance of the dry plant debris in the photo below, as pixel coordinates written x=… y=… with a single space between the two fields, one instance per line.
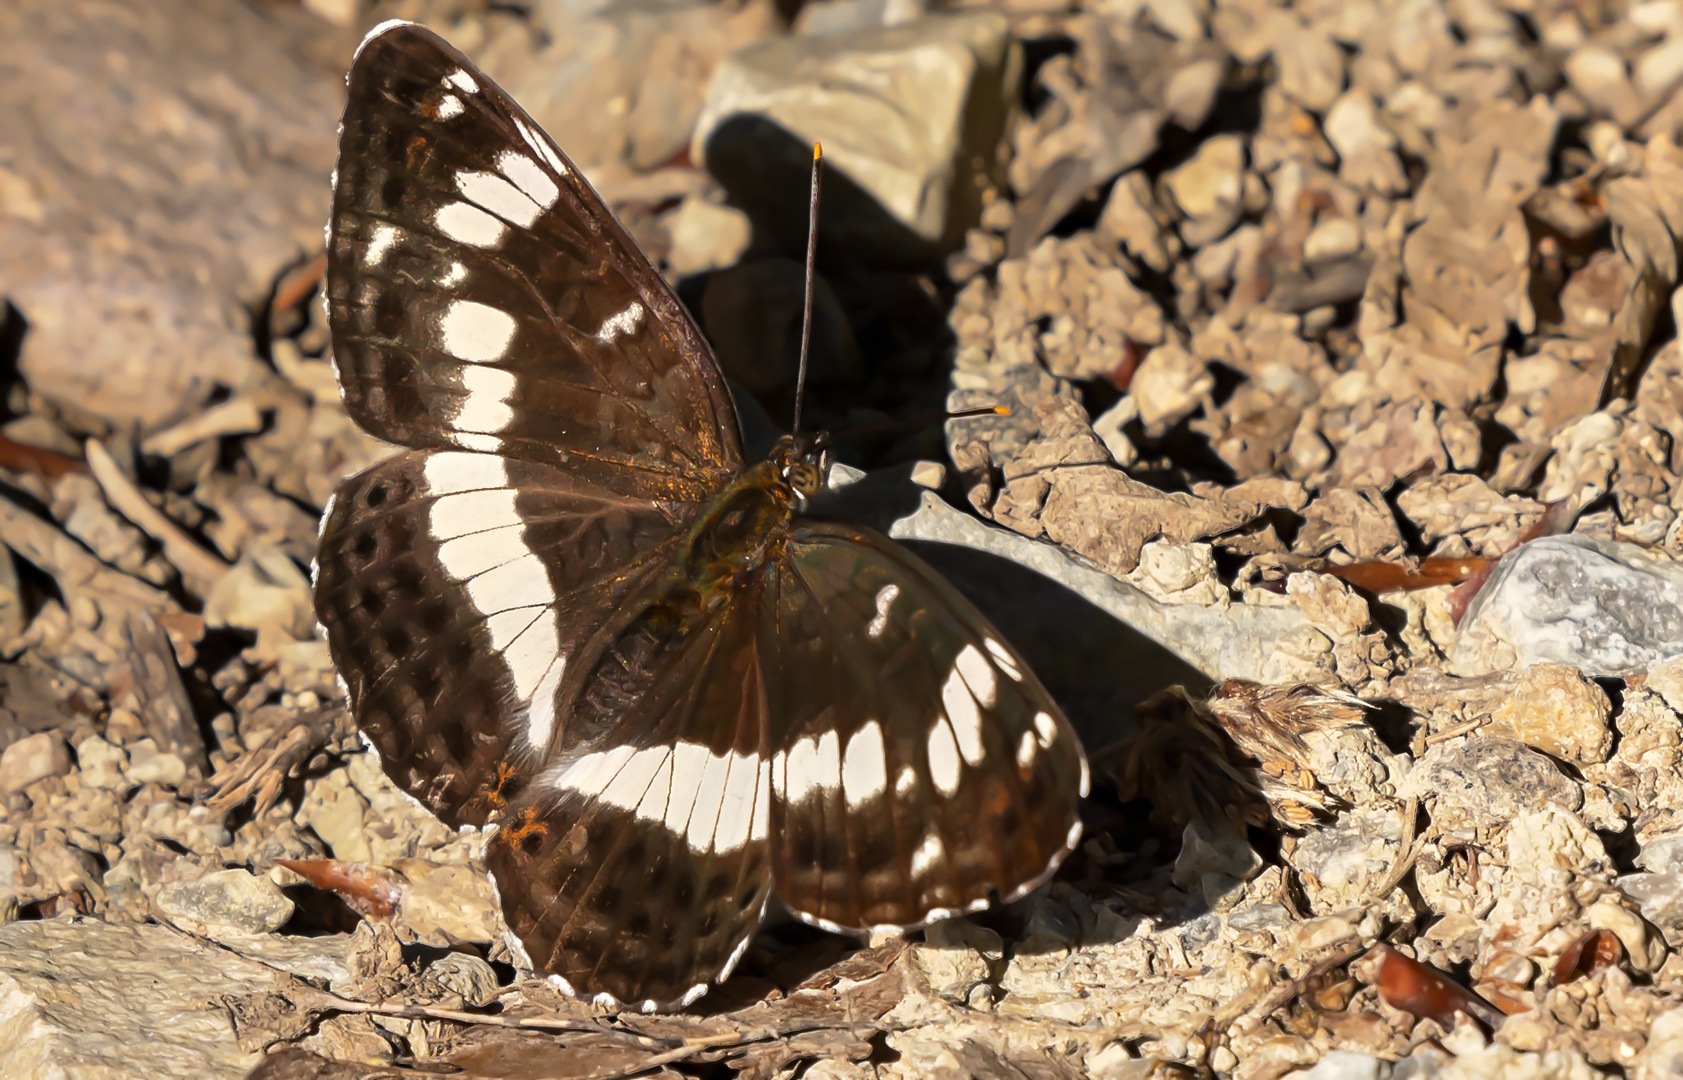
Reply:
x=1342 y=308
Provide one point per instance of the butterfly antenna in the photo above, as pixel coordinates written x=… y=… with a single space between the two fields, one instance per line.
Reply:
x=806 y=302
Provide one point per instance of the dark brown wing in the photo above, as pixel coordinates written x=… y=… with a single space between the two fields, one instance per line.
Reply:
x=639 y=869
x=919 y=768
x=459 y=591
x=482 y=297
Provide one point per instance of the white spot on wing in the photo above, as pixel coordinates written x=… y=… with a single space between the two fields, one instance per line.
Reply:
x=449 y=472
x=469 y=556
x=1025 y=751
x=1046 y=729
x=762 y=804
x=708 y=800
x=1073 y=837
x=736 y=955
x=474 y=511
x=453 y=276
x=379 y=243
x=463 y=81
x=885 y=597
x=965 y=716
x=520 y=583
x=466 y=223
x=978 y=675
x=802 y=770
x=531 y=655
x=1003 y=659
x=689 y=761
x=590 y=773
x=485 y=407
x=653 y=805
x=905 y=782
x=541 y=147
x=540 y=718
x=496 y=194
x=927 y=854
x=814 y=764
x=943 y=756
x=621 y=325
x=476 y=440
x=630 y=782
x=449 y=107
x=475 y=332
x=864 y=770
x=736 y=812
x=529 y=177
x=1086 y=778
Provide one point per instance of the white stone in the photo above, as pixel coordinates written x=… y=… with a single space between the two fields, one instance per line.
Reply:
x=33 y=758
x=706 y=235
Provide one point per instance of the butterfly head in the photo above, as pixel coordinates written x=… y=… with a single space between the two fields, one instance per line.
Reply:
x=803 y=460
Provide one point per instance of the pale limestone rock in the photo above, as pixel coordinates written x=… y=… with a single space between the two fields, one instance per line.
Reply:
x=909 y=113
x=706 y=235
x=70 y=1004
x=1557 y=710
x=33 y=758
x=229 y=901
x=1209 y=189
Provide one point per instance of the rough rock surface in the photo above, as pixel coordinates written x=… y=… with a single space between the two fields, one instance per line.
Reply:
x=1319 y=328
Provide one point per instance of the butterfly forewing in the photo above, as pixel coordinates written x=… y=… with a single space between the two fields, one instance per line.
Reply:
x=482 y=297
x=920 y=768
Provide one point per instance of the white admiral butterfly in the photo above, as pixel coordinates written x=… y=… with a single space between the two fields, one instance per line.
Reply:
x=570 y=610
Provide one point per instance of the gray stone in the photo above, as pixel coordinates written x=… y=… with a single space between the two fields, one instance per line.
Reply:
x=463 y=974
x=229 y=900
x=1606 y=608
x=1660 y=898
x=1485 y=782
x=1216 y=863
x=909 y=116
x=35 y=758
x=93 y=1001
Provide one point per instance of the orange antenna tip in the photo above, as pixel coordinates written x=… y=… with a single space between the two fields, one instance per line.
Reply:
x=817 y=150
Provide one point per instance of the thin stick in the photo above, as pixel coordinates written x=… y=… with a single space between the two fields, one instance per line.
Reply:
x=198 y=566
x=811 y=257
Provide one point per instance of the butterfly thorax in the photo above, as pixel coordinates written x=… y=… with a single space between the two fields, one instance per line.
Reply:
x=737 y=531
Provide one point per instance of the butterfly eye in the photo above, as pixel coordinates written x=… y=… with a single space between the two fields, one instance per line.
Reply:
x=804 y=478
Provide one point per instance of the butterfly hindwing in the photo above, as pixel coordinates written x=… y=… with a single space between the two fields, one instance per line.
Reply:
x=638 y=867
x=919 y=768
x=482 y=297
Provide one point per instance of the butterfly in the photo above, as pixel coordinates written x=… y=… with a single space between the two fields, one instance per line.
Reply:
x=570 y=613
